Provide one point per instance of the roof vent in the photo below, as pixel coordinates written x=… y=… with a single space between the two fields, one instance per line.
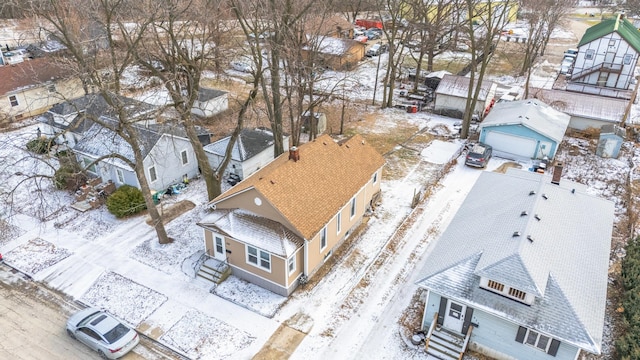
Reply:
x=544 y=196
x=573 y=191
x=532 y=192
x=524 y=213
x=516 y=234
x=537 y=217
x=529 y=238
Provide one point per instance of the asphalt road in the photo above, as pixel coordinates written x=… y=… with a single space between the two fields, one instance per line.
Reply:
x=32 y=324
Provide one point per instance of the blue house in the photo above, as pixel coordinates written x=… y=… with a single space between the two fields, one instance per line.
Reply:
x=524 y=129
x=521 y=271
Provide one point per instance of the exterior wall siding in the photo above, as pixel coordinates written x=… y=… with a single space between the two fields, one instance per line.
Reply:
x=211 y=107
x=601 y=48
x=166 y=157
x=581 y=123
x=37 y=100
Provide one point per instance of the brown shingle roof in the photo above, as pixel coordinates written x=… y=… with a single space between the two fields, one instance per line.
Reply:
x=310 y=191
x=30 y=73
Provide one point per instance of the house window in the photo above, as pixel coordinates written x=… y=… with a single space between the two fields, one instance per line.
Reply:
x=152 y=174
x=323 y=238
x=219 y=248
x=185 y=158
x=291 y=264
x=13 y=100
x=120 y=176
x=588 y=55
x=339 y=223
x=51 y=88
x=538 y=341
x=353 y=207
x=627 y=59
x=495 y=285
x=517 y=293
x=259 y=258
x=612 y=43
x=375 y=177
x=89 y=166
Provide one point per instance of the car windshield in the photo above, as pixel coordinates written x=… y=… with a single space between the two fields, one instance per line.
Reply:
x=116 y=333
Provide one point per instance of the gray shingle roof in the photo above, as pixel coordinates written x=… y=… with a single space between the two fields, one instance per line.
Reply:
x=532 y=114
x=454 y=85
x=206 y=94
x=249 y=143
x=569 y=247
x=582 y=105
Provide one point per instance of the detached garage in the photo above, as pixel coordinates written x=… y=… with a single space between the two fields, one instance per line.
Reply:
x=524 y=130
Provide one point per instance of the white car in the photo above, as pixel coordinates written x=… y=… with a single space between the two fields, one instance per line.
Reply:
x=102 y=332
x=242 y=66
x=565 y=66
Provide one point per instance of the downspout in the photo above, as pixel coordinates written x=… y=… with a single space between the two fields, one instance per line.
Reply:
x=305 y=270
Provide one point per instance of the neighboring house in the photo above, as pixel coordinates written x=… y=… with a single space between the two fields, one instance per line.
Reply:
x=210 y=102
x=334 y=26
x=521 y=272
x=524 y=129
x=252 y=151
x=333 y=53
x=607 y=58
x=278 y=226
x=68 y=121
x=452 y=93
x=32 y=87
x=168 y=154
x=586 y=111
x=320 y=120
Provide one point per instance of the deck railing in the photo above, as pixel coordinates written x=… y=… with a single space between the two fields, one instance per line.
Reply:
x=434 y=323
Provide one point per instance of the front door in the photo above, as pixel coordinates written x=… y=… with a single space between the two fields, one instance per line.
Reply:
x=454 y=316
x=218 y=248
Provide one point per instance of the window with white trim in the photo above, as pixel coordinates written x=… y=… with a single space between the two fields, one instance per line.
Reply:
x=291 y=264
x=626 y=60
x=588 y=55
x=537 y=340
x=339 y=223
x=185 y=158
x=152 y=174
x=353 y=207
x=13 y=100
x=259 y=258
x=90 y=167
x=323 y=238
x=120 y=176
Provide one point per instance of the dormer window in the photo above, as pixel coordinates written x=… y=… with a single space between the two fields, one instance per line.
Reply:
x=506 y=291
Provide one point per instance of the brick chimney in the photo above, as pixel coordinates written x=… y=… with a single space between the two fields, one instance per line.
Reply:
x=557 y=173
x=294 y=153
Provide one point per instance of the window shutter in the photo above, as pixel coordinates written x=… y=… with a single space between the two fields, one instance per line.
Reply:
x=467 y=320
x=553 y=348
x=442 y=310
x=522 y=331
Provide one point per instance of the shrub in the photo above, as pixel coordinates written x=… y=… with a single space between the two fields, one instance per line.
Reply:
x=628 y=345
x=125 y=201
x=40 y=145
x=69 y=176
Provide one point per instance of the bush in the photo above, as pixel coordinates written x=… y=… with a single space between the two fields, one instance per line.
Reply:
x=628 y=345
x=69 y=176
x=125 y=201
x=40 y=145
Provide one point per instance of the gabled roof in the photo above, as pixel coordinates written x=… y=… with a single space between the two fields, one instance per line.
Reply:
x=256 y=230
x=31 y=73
x=249 y=143
x=532 y=114
x=454 y=85
x=582 y=105
x=563 y=243
x=310 y=191
x=206 y=94
x=621 y=25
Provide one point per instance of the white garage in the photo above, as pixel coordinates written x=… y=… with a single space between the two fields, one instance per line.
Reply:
x=524 y=130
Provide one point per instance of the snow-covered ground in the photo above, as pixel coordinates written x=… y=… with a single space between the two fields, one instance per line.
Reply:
x=352 y=313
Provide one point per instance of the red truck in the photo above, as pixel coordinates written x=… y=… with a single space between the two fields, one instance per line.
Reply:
x=368 y=24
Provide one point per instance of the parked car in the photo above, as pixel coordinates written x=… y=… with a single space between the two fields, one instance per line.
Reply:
x=362 y=38
x=377 y=49
x=242 y=66
x=357 y=32
x=102 y=332
x=372 y=35
x=376 y=30
x=565 y=66
x=478 y=155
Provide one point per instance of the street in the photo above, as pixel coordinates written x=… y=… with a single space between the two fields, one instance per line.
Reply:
x=32 y=324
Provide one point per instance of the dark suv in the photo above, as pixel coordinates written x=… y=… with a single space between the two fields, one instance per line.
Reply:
x=478 y=155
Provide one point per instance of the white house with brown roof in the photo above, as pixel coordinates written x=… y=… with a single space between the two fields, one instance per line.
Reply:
x=32 y=87
x=283 y=222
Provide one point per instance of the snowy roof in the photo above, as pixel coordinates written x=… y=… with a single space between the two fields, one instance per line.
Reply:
x=564 y=243
x=582 y=105
x=532 y=114
x=330 y=45
x=249 y=143
x=254 y=230
x=31 y=73
x=454 y=85
x=310 y=191
x=206 y=94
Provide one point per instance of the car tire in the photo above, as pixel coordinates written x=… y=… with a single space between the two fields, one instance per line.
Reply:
x=102 y=354
x=71 y=334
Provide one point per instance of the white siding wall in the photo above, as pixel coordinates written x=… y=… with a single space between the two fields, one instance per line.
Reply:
x=601 y=48
x=166 y=157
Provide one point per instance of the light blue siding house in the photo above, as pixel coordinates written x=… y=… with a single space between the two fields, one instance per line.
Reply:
x=524 y=129
x=168 y=154
x=521 y=271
